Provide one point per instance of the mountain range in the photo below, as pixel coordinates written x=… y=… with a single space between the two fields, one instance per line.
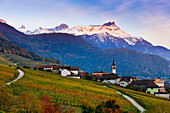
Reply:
x=8 y=47
x=75 y=51
x=106 y=36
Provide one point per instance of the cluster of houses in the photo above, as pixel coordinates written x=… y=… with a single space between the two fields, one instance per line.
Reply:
x=66 y=71
x=155 y=86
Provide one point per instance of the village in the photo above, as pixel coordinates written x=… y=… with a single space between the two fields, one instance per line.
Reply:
x=151 y=86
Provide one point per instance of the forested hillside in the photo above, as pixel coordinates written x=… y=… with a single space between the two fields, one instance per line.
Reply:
x=8 y=47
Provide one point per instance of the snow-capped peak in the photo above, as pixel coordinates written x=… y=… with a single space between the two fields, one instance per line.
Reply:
x=109 y=23
x=22 y=27
x=2 y=21
x=107 y=28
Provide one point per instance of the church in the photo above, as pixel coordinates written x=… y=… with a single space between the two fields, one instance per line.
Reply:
x=108 y=77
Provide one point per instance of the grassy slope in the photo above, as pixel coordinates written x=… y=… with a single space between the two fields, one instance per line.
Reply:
x=11 y=59
x=67 y=90
x=5 y=62
x=7 y=73
x=151 y=103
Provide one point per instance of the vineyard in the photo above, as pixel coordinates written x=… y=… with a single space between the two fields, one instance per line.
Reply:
x=7 y=73
x=67 y=91
x=40 y=85
x=151 y=103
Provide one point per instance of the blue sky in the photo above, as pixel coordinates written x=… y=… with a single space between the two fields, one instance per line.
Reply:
x=149 y=19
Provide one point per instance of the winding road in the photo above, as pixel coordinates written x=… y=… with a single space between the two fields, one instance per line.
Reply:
x=21 y=74
x=133 y=102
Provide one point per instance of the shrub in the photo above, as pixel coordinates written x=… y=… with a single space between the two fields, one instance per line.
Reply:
x=109 y=106
x=87 y=107
x=26 y=67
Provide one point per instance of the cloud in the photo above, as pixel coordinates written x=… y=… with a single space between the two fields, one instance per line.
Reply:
x=125 y=5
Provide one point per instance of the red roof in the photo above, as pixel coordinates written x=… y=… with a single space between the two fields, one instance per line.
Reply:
x=74 y=68
x=40 y=66
x=83 y=74
x=48 y=66
x=56 y=67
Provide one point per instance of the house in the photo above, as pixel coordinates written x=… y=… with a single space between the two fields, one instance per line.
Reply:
x=45 y=67
x=152 y=88
x=73 y=76
x=162 y=93
x=65 y=72
x=48 y=68
x=98 y=74
x=40 y=67
x=82 y=74
x=159 y=82
x=126 y=80
x=141 y=83
x=74 y=70
x=70 y=71
x=56 y=69
x=109 y=78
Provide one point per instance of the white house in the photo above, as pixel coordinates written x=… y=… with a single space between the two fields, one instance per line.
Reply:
x=70 y=72
x=126 y=80
x=123 y=83
x=48 y=68
x=159 y=82
x=161 y=94
x=65 y=72
x=109 y=78
x=78 y=77
x=74 y=70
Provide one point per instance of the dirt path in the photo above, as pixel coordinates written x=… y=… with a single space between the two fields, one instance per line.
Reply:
x=21 y=74
x=133 y=102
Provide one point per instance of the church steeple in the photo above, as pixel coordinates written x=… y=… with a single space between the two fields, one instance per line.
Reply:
x=113 y=67
x=113 y=63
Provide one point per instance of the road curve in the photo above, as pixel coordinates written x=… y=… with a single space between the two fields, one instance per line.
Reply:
x=133 y=102
x=21 y=74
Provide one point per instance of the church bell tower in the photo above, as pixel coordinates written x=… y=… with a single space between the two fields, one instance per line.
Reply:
x=114 y=67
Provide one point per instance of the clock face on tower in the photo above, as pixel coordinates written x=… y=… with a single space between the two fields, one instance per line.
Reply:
x=114 y=68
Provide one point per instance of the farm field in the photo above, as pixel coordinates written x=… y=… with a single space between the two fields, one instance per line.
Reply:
x=67 y=91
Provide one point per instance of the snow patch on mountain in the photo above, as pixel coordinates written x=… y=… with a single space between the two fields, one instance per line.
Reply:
x=2 y=21
x=102 y=31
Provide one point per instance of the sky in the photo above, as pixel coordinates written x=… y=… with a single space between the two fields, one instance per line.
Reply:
x=149 y=19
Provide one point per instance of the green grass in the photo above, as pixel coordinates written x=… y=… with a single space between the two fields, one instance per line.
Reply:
x=5 y=62
x=67 y=90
